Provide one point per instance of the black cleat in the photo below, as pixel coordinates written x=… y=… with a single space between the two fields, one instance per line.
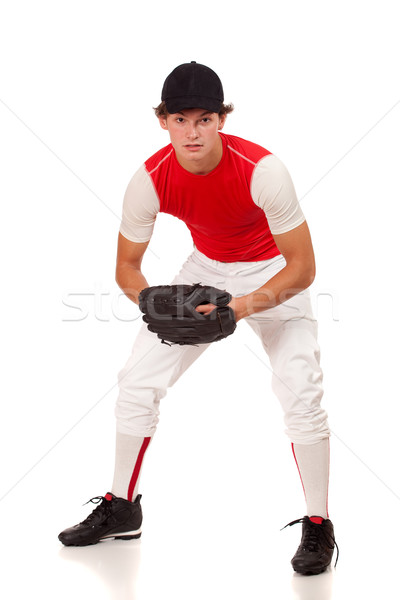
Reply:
x=316 y=548
x=113 y=518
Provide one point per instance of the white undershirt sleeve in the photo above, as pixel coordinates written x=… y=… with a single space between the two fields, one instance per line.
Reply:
x=140 y=207
x=272 y=190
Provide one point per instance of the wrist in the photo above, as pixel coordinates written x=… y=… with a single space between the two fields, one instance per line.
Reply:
x=239 y=307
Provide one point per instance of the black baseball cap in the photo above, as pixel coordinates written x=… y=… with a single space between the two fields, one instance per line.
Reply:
x=192 y=85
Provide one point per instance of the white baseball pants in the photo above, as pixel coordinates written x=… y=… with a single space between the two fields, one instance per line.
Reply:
x=289 y=337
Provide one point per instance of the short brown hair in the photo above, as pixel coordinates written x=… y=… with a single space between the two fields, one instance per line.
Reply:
x=161 y=110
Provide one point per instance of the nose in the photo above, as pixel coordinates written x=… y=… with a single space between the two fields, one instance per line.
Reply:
x=191 y=132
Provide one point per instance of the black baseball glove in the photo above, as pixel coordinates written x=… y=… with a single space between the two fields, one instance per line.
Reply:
x=169 y=311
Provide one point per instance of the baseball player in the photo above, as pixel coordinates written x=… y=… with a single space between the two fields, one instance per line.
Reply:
x=252 y=260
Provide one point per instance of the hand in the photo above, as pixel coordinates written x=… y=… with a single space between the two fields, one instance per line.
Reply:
x=236 y=304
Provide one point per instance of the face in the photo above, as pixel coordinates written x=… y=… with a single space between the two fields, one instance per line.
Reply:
x=194 y=137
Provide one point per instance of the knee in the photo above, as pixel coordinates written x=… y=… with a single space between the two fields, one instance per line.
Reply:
x=137 y=414
x=307 y=427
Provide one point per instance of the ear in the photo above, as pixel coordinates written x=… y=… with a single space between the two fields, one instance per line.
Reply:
x=221 y=122
x=163 y=123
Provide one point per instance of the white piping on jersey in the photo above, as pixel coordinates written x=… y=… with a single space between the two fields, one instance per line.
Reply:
x=241 y=155
x=161 y=161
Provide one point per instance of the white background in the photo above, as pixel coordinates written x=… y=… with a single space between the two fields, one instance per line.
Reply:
x=317 y=84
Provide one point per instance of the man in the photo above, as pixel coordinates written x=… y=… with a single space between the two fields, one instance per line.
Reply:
x=251 y=239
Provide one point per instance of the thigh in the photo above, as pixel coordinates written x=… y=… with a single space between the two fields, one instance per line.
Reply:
x=150 y=370
x=153 y=364
x=268 y=323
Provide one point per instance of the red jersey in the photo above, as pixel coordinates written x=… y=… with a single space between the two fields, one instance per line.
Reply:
x=225 y=210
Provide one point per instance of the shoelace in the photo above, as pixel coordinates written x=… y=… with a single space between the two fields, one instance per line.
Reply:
x=313 y=534
x=101 y=508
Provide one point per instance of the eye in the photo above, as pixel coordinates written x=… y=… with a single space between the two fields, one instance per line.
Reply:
x=206 y=120
x=179 y=119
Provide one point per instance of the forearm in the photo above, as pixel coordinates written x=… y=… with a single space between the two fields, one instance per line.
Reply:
x=291 y=280
x=131 y=281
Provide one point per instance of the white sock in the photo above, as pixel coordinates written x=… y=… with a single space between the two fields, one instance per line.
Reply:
x=313 y=465
x=129 y=453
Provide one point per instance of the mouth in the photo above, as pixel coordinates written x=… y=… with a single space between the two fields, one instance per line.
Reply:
x=193 y=146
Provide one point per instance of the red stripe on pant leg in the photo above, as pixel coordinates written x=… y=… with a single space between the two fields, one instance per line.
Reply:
x=297 y=464
x=137 y=468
